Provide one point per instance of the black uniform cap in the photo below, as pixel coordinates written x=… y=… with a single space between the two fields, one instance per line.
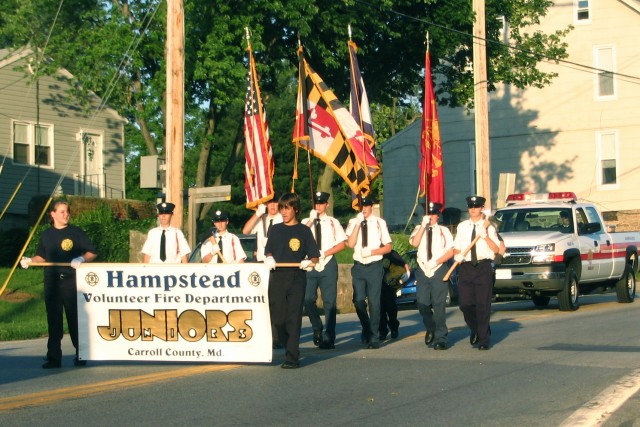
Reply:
x=165 y=208
x=321 y=197
x=475 y=201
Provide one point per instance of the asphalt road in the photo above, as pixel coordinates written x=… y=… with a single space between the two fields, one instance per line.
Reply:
x=545 y=368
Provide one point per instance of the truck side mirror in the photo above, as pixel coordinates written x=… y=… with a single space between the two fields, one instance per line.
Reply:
x=590 y=228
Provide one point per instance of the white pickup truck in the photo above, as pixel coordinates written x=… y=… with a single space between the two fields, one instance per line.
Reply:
x=556 y=246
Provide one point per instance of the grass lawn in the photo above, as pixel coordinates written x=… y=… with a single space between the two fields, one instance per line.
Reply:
x=22 y=311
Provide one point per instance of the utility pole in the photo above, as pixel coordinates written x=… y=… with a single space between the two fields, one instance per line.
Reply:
x=483 y=160
x=175 y=109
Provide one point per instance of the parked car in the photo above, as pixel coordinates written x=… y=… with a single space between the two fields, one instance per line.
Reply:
x=406 y=295
x=248 y=242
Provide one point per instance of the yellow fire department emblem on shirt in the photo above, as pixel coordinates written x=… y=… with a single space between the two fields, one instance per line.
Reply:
x=66 y=245
x=294 y=244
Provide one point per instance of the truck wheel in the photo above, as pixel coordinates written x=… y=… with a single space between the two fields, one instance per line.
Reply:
x=568 y=296
x=626 y=286
x=540 y=300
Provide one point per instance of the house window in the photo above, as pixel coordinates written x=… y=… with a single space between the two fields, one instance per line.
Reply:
x=605 y=69
x=582 y=10
x=608 y=158
x=32 y=144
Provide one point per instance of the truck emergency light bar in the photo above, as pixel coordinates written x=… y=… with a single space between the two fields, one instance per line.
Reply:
x=563 y=196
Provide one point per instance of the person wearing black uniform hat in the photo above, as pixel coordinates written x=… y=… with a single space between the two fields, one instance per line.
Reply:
x=266 y=216
x=165 y=243
x=223 y=246
x=369 y=236
x=435 y=247
x=475 y=274
x=330 y=239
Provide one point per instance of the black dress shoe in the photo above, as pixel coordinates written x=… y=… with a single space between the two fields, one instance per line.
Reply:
x=327 y=345
x=52 y=364
x=79 y=362
x=374 y=345
x=317 y=338
x=473 y=339
x=483 y=347
x=428 y=337
x=365 y=338
x=394 y=334
x=382 y=337
x=290 y=365
x=440 y=346
x=277 y=345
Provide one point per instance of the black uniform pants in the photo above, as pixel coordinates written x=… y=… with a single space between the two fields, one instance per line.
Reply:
x=388 y=310
x=475 y=289
x=60 y=295
x=286 y=299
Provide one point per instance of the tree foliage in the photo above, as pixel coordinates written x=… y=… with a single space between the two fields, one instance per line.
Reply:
x=115 y=48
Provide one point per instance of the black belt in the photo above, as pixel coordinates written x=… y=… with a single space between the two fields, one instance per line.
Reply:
x=63 y=276
x=481 y=261
x=371 y=263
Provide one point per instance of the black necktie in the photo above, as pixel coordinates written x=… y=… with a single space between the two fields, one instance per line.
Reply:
x=474 y=255
x=163 y=247
x=220 y=246
x=429 y=244
x=365 y=237
x=269 y=227
x=318 y=234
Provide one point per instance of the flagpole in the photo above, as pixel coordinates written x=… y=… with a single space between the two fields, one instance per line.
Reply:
x=426 y=179
x=305 y=114
x=354 y=87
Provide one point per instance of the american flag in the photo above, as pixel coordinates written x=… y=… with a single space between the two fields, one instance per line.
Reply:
x=259 y=164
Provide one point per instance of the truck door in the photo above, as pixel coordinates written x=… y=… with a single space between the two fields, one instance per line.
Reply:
x=606 y=259
x=590 y=245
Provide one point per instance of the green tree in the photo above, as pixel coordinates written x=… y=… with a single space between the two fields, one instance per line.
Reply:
x=116 y=49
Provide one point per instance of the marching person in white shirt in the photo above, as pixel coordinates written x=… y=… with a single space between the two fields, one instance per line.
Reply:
x=331 y=239
x=369 y=236
x=475 y=274
x=165 y=243
x=435 y=248
x=223 y=246
x=261 y=222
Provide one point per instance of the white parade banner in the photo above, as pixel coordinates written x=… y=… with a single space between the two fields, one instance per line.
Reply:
x=174 y=312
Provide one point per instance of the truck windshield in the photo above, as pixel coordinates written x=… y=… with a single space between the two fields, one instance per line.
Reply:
x=535 y=219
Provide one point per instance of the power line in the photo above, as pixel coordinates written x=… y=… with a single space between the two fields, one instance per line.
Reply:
x=571 y=64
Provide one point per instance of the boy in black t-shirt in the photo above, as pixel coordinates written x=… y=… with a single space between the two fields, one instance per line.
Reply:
x=289 y=243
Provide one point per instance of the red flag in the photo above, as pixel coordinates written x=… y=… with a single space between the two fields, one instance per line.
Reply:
x=325 y=128
x=431 y=171
x=259 y=164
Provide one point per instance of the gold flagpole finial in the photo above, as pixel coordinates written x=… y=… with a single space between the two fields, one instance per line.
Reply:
x=427 y=41
x=349 y=30
x=247 y=37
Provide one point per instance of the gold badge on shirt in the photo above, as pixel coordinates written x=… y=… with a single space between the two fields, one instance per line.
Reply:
x=66 y=245
x=294 y=244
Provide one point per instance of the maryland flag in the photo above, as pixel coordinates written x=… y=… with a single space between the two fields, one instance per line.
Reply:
x=259 y=164
x=431 y=171
x=358 y=101
x=325 y=128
